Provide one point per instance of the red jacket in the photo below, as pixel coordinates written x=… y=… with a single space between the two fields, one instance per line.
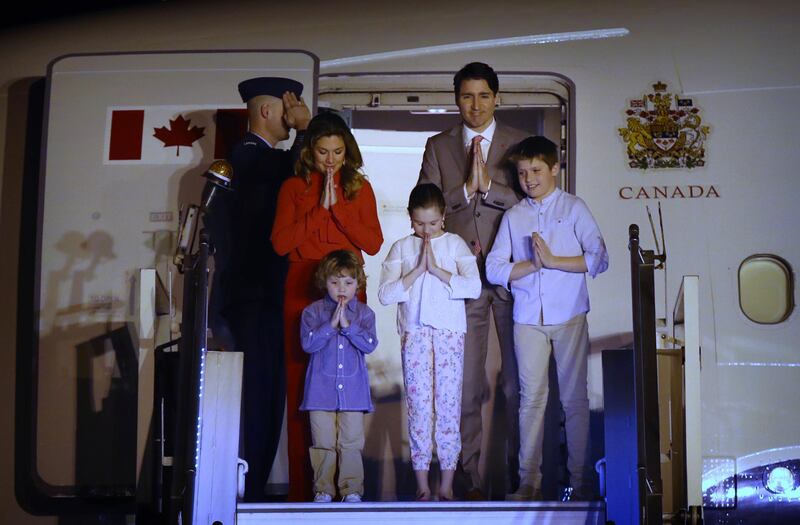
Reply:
x=305 y=230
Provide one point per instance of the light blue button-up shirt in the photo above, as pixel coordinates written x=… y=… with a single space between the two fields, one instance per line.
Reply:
x=547 y=296
x=336 y=378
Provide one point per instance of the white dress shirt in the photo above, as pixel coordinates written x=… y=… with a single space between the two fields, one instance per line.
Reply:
x=547 y=296
x=429 y=301
x=487 y=134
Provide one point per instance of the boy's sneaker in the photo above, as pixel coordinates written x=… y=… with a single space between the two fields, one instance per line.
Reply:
x=353 y=497
x=525 y=493
x=322 y=497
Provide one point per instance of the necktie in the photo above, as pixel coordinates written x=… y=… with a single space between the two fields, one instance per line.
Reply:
x=476 y=141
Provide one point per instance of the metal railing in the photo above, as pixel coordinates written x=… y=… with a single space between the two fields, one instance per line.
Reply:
x=193 y=346
x=643 y=263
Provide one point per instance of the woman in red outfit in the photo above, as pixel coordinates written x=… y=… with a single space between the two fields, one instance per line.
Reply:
x=328 y=205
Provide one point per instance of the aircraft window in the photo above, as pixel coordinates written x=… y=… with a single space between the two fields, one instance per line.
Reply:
x=766 y=287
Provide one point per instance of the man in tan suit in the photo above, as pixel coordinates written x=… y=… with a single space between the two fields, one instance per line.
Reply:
x=467 y=163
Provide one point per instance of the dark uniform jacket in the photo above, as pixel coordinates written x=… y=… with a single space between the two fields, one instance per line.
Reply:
x=247 y=269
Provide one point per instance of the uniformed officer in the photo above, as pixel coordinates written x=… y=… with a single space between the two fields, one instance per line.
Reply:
x=246 y=306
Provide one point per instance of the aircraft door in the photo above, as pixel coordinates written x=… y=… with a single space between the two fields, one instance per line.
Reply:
x=126 y=140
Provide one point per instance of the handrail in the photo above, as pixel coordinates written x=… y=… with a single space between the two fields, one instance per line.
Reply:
x=686 y=314
x=193 y=346
x=646 y=379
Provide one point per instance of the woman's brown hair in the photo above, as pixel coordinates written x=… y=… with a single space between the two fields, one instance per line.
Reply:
x=327 y=125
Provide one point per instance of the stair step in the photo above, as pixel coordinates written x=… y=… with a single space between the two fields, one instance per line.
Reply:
x=412 y=512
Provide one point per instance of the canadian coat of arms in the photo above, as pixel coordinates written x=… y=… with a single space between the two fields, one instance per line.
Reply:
x=664 y=131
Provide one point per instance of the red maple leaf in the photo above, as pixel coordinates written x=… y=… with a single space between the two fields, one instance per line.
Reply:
x=179 y=134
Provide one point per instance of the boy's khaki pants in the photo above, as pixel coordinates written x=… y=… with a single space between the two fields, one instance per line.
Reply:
x=337 y=434
x=569 y=343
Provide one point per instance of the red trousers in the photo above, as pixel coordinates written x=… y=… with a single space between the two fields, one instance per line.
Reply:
x=300 y=292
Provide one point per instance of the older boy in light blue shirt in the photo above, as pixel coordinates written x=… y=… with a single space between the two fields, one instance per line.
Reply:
x=544 y=247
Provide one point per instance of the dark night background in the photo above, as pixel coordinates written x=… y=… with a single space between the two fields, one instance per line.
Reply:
x=25 y=13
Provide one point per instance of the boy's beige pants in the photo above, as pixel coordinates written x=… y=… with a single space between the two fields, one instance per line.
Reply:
x=337 y=435
x=569 y=343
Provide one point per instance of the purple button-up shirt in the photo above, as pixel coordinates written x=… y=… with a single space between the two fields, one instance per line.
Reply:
x=337 y=378
x=565 y=223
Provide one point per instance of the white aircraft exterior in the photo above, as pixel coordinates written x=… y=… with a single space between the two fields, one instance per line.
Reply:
x=737 y=63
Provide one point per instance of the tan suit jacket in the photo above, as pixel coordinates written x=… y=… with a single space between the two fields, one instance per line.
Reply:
x=446 y=164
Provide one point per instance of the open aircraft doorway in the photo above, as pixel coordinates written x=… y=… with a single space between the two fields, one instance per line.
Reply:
x=392 y=116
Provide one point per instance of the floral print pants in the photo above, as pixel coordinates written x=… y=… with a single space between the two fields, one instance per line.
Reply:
x=433 y=365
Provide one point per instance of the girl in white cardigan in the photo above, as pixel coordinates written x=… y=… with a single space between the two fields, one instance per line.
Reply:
x=429 y=274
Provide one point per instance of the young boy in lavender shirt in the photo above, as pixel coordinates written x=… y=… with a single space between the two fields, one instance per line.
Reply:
x=545 y=245
x=338 y=331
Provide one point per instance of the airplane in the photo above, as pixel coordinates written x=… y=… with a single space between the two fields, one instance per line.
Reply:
x=680 y=109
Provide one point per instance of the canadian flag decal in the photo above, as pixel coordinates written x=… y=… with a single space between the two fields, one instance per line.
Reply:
x=126 y=135
x=172 y=134
x=179 y=134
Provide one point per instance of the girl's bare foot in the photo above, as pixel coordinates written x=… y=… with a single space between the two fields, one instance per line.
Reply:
x=446 y=486
x=423 y=489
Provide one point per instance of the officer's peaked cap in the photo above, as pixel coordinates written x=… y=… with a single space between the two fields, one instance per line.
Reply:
x=272 y=86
